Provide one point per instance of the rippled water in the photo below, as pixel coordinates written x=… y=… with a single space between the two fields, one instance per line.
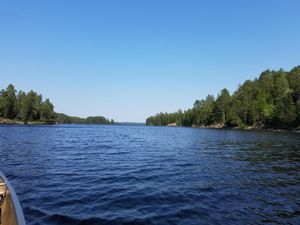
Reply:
x=152 y=175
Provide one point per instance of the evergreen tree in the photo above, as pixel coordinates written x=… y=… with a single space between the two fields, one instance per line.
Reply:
x=221 y=109
x=8 y=102
x=293 y=78
x=30 y=107
x=273 y=101
x=281 y=85
x=47 y=112
x=284 y=113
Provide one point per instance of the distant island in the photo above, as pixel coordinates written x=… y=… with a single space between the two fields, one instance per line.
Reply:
x=29 y=108
x=270 y=102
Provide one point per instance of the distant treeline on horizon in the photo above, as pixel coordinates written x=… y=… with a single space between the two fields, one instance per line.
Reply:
x=271 y=101
x=30 y=107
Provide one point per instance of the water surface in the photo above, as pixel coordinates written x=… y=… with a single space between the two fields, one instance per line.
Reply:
x=152 y=175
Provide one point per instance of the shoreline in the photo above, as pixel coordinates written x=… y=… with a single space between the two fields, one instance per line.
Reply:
x=38 y=122
x=20 y=122
x=222 y=127
x=216 y=126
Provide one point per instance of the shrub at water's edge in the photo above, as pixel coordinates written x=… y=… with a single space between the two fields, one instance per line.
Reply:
x=271 y=101
x=18 y=107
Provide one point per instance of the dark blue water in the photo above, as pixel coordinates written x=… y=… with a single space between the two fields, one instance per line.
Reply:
x=152 y=175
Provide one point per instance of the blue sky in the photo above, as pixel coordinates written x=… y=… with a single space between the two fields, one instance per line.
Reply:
x=130 y=59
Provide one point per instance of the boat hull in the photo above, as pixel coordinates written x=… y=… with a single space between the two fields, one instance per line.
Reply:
x=10 y=209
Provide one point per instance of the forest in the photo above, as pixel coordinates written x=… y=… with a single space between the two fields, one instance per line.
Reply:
x=271 y=101
x=19 y=106
x=62 y=118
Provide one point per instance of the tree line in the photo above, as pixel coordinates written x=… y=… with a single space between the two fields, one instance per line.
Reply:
x=270 y=101
x=30 y=107
x=62 y=118
x=19 y=105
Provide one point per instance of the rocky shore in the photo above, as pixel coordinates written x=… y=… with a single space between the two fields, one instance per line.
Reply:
x=254 y=128
x=9 y=121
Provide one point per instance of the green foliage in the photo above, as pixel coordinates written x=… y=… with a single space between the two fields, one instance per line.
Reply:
x=162 y=119
x=272 y=100
x=30 y=107
x=62 y=118
x=222 y=106
x=298 y=114
x=65 y=119
x=47 y=112
x=281 y=85
x=284 y=115
x=293 y=78
x=25 y=106
x=8 y=102
x=97 y=120
x=203 y=111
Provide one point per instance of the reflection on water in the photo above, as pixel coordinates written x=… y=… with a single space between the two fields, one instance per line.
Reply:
x=152 y=175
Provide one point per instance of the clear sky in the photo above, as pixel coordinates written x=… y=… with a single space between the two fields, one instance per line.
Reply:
x=130 y=59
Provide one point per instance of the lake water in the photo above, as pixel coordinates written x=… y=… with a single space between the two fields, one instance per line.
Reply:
x=152 y=175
